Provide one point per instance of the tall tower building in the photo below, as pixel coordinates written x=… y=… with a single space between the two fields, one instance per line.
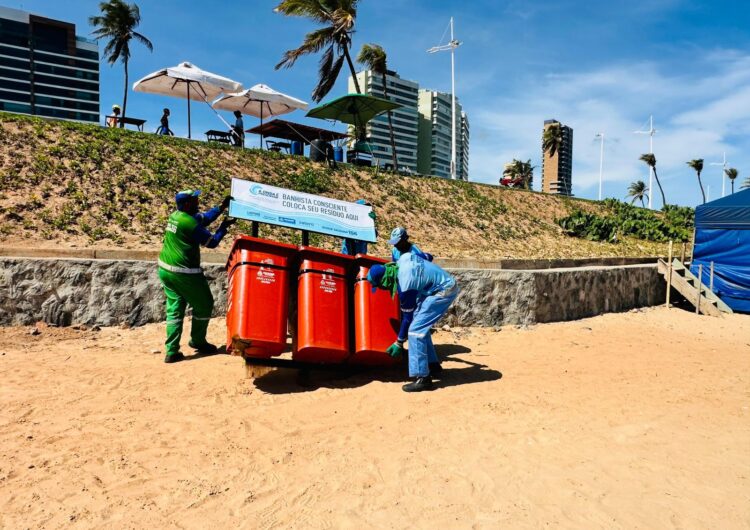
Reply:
x=405 y=118
x=557 y=170
x=435 y=136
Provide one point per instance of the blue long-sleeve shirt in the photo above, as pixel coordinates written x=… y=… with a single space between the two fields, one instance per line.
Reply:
x=202 y=235
x=417 y=279
x=396 y=253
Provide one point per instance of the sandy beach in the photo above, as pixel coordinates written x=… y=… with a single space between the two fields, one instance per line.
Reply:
x=635 y=420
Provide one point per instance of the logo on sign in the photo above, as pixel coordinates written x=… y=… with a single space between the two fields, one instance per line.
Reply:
x=288 y=220
x=257 y=189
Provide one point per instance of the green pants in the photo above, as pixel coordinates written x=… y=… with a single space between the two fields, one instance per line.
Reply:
x=181 y=290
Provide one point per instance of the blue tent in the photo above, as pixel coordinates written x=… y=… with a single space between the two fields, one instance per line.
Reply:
x=722 y=236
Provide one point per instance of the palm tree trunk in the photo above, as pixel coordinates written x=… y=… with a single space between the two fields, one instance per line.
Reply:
x=663 y=199
x=390 y=129
x=701 y=185
x=124 y=96
x=732 y=181
x=351 y=68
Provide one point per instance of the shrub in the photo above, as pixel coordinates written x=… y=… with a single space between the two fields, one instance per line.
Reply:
x=622 y=219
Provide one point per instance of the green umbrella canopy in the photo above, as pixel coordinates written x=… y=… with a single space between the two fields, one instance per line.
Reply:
x=354 y=109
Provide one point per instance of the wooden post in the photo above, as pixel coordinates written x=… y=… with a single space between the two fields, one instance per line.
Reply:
x=698 y=287
x=711 y=278
x=305 y=238
x=682 y=255
x=669 y=274
x=254 y=229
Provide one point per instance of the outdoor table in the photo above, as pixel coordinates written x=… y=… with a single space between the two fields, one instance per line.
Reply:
x=278 y=146
x=218 y=136
x=128 y=121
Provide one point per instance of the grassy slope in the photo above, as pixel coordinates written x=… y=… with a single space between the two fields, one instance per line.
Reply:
x=67 y=185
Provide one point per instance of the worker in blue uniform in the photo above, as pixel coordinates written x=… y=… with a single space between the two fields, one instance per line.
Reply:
x=401 y=244
x=425 y=293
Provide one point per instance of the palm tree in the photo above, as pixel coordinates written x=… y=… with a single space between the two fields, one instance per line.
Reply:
x=117 y=23
x=338 y=17
x=745 y=184
x=637 y=190
x=373 y=56
x=518 y=172
x=650 y=160
x=552 y=139
x=731 y=175
x=697 y=165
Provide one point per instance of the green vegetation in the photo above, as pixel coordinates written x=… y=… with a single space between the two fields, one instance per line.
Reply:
x=674 y=223
x=64 y=183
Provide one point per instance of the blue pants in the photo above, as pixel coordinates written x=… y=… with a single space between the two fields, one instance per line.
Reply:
x=421 y=349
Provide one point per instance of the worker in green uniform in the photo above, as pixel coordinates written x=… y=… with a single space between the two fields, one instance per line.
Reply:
x=181 y=274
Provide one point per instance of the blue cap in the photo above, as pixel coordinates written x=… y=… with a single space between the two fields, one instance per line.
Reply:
x=375 y=275
x=397 y=235
x=186 y=194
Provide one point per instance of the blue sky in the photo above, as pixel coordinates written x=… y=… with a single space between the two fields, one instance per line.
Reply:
x=594 y=65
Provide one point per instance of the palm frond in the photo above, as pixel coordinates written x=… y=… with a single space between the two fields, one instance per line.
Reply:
x=143 y=40
x=314 y=42
x=696 y=164
x=313 y=9
x=327 y=80
x=373 y=56
x=649 y=159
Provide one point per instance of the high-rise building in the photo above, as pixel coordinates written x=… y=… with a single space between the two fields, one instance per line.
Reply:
x=557 y=170
x=404 y=118
x=46 y=69
x=435 y=136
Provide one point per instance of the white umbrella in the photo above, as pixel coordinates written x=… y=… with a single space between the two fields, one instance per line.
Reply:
x=186 y=81
x=260 y=101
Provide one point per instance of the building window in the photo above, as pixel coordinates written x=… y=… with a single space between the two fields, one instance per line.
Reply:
x=15 y=107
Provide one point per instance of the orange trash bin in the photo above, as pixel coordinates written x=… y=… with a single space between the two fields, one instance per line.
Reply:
x=377 y=317
x=322 y=306
x=258 y=296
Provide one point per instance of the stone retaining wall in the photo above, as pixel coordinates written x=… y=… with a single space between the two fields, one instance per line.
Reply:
x=109 y=292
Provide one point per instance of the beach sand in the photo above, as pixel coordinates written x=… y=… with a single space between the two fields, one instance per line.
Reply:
x=635 y=420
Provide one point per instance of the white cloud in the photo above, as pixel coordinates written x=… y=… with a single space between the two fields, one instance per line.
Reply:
x=698 y=114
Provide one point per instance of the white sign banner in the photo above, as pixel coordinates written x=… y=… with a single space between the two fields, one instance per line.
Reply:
x=278 y=206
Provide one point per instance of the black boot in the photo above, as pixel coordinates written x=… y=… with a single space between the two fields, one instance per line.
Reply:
x=174 y=358
x=204 y=349
x=420 y=384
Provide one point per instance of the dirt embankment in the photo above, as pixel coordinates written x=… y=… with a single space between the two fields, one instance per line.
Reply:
x=72 y=185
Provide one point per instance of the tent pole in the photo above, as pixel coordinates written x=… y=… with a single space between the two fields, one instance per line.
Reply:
x=261 y=125
x=188 y=94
